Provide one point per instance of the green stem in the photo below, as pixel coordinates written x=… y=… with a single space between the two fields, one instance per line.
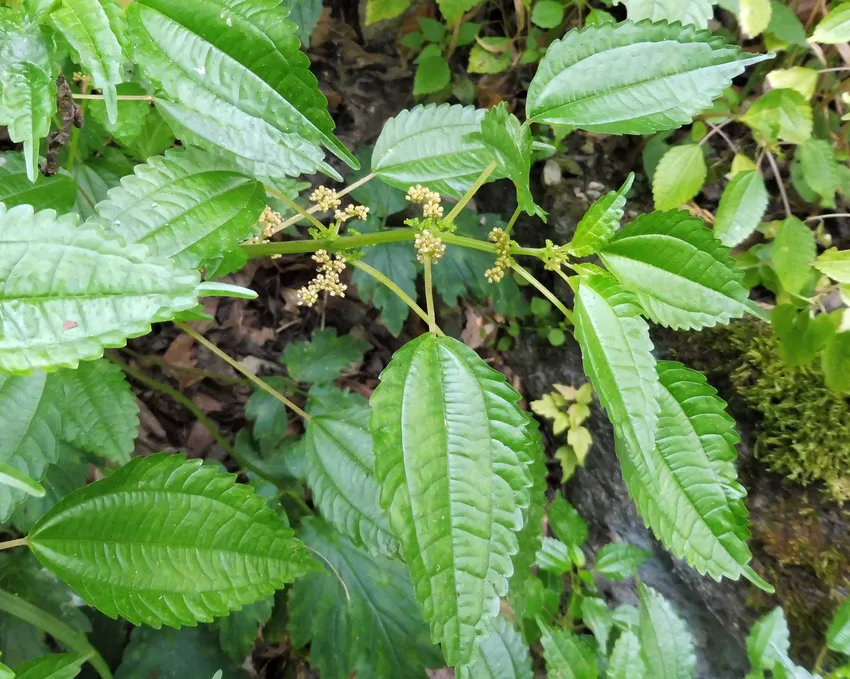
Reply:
x=380 y=277
x=9 y=544
x=120 y=97
x=429 y=296
x=472 y=191
x=514 y=217
x=544 y=291
x=65 y=635
x=821 y=657
x=295 y=206
x=348 y=189
x=183 y=400
x=236 y=365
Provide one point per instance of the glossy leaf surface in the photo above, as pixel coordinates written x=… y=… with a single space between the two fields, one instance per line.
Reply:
x=451 y=448
x=502 y=655
x=55 y=193
x=163 y=541
x=600 y=222
x=665 y=639
x=679 y=176
x=742 y=207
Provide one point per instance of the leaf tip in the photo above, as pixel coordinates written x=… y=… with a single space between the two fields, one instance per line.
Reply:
x=757 y=580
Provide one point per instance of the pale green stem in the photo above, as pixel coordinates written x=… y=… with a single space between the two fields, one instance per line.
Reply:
x=303 y=214
x=779 y=182
x=835 y=215
x=513 y=219
x=9 y=544
x=429 y=296
x=544 y=291
x=386 y=280
x=472 y=191
x=120 y=97
x=348 y=189
x=236 y=365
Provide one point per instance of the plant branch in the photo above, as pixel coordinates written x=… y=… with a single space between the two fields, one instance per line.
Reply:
x=333 y=569
x=835 y=215
x=236 y=365
x=182 y=399
x=472 y=191
x=386 y=280
x=778 y=177
x=718 y=129
x=544 y=291
x=120 y=97
x=348 y=189
x=295 y=206
x=429 y=296
x=514 y=217
x=9 y=544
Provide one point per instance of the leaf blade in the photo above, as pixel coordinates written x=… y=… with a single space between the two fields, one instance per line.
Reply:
x=742 y=207
x=665 y=641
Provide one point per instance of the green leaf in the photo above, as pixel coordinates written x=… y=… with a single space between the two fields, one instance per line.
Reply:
x=619 y=560
x=818 y=166
x=794 y=251
x=742 y=207
x=754 y=16
x=452 y=464
x=566 y=655
x=433 y=30
x=768 y=641
x=626 y=661
x=838 y=634
x=189 y=206
x=834 y=28
x=88 y=28
x=554 y=556
x=785 y=25
x=382 y=200
x=679 y=176
x=132 y=114
x=432 y=75
x=96 y=176
x=27 y=82
x=305 y=14
x=175 y=654
x=155 y=138
x=268 y=413
x=600 y=222
x=493 y=60
x=502 y=655
x=57 y=666
x=547 y=13
x=682 y=275
x=163 y=541
x=340 y=472
x=694 y=12
x=835 y=363
x=617 y=356
x=237 y=632
x=665 y=640
x=510 y=141
x=360 y=613
x=380 y=10
x=12 y=477
x=83 y=290
x=803 y=80
x=58 y=192
x=324 y=357
x=685 y=488
x=398 y=262
x=31 y=422
x=452 y=10
x=60 y=480
x=780 y=115
x=596 y=615
x=258 y=101
x=581 y=82
x=566 y=523
x=99 y=413
x=434 y=146
x=800 y=337
x=835 y=263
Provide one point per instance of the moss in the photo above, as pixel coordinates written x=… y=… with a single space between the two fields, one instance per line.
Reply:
x=804 y=428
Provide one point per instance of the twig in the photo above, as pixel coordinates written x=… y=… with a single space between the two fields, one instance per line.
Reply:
x=513 y=219
x=335 y=571
x=348 y=189
x=303 y=214
x=472 y=191
x=544 y=291
x=835 y=215
x=236 y=365
x=120 y=97
x=778 y=178
x=429 y=296
x=718 y=129
x=21 y=542
x=386 y=280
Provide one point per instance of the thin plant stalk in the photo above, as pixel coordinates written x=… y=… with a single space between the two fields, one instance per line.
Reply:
x=544 y=291
x=386 y=280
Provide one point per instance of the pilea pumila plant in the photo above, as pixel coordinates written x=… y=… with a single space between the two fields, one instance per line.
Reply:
x=440 y=482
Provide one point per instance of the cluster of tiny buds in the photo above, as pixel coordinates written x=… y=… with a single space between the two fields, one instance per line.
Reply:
x=83 y=79
x=327 y=279
x=271 y=222
x=503 y=261
x=360 y=212
x=429 y=245
x=430 y=200
x=325 y=198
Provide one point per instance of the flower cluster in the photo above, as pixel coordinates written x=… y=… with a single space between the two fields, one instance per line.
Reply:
x=504 y=260
x=327 y=199
x=360 y=212
x=430 y=200
x=271 y=222
x=554 y=256
x=327 y=279
x=82 y=79
x=429 y=245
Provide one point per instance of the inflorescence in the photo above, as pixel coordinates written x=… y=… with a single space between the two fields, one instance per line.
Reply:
x=327 y=279
x=504 y=261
